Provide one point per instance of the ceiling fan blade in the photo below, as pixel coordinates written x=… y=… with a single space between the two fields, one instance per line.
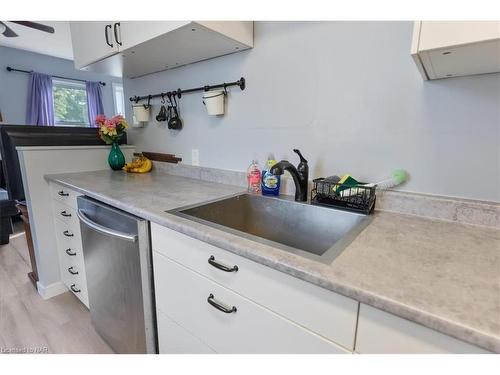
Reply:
x=9 y=33
x=36 y=25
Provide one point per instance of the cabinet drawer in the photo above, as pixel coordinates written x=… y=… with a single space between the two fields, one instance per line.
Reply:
x=72 y=267
x=79 y=288
x=328 y=314
x=66 y=214
x=68 y=233
x=64 y=195
x=183 y=296
x=174 y=339
x=76 y=283
x=66 y=249
x=383 y=333
x=69 y=251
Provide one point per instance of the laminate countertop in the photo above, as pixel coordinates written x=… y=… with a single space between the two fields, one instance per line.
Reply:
x=443 y=275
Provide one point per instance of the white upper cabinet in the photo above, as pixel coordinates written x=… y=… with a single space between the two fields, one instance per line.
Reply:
x=443 y=49
x=133 y=33
x=140 y=47
x=92 y=41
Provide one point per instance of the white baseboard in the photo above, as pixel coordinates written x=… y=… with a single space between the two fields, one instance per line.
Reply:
x=51 y=290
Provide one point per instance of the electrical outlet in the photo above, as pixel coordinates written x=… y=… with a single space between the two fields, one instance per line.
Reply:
x=195 y=157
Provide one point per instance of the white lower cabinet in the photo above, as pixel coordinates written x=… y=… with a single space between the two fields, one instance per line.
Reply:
x=327 y=314
x=198 y=284
x=174 y=339
x=223 y=320
x=383 y=333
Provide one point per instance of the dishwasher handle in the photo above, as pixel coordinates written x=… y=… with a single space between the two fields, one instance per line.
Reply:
x=104 y=230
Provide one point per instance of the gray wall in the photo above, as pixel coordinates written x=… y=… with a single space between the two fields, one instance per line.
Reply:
x=14 y=85
x=350 y=97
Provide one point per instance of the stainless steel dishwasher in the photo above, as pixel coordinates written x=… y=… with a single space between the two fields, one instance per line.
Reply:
x=117 y=257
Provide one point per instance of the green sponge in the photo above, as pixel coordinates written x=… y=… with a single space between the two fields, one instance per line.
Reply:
x=345 y=182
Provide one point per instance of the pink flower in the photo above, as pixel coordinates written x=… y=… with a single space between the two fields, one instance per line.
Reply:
x=100 y=119
x=118 y=118
x=111 y=129
x=114 y=121
x=110 y=124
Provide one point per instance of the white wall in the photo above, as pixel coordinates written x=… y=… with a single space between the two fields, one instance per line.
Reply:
x=350 y=97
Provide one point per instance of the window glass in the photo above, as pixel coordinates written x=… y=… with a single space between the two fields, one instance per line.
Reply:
x=119 y=99
x=70 y=103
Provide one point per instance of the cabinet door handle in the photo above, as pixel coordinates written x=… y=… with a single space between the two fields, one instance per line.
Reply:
x=220 y=266
x=115 y=31
x=71 y=271
x=73 y=288
x=107 y=36
x=67 y=233
x=68 y=251
x=65 y=214
x=220 y=307
x=63 y=194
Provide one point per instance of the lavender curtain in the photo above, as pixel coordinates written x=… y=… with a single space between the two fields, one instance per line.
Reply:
x=94 y=101
x=40 y=109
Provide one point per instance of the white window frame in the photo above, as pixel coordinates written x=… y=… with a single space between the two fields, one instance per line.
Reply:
x=69 y=84
x=118 y=87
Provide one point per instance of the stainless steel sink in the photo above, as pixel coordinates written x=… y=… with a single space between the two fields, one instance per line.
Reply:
x=314 y=232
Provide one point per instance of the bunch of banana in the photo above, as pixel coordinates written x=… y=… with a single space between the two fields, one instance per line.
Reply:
x=139 y=165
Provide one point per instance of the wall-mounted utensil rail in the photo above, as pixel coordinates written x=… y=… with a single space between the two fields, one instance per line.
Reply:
x=179 y=92
x=9 y=69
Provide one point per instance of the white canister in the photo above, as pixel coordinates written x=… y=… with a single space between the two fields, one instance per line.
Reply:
x=214 y=102
x=141 y=112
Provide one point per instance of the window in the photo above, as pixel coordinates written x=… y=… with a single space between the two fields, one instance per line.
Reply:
x=119 y=98
x=70 y=103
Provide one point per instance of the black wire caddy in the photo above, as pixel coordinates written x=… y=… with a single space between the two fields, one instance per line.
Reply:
x=359 y=198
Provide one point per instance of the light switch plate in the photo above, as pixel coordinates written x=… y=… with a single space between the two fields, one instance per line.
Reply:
x=195 y=157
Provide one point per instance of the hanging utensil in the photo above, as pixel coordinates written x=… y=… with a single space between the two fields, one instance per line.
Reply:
x=162 y=115
x=147 y=106
x=175 y=122
x=169 y=107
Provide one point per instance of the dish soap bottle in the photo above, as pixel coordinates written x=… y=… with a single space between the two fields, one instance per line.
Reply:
x=253 y=177
x=270 y=182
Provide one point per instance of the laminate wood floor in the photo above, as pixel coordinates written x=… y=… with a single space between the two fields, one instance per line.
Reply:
x=29 y=323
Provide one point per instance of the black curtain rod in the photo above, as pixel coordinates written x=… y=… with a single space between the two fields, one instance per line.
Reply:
x=179 y=92
x=9 y=69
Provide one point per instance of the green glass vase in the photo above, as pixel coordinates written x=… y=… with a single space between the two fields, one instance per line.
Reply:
x=116 y=159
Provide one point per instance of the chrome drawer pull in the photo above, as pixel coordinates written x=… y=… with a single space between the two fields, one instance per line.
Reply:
x=72 y=287
x=68 y=251
x=63 y=194
x=218 y=306
x=67 y=233
x=71 y=271
x=222 y=267
x=65 y=214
